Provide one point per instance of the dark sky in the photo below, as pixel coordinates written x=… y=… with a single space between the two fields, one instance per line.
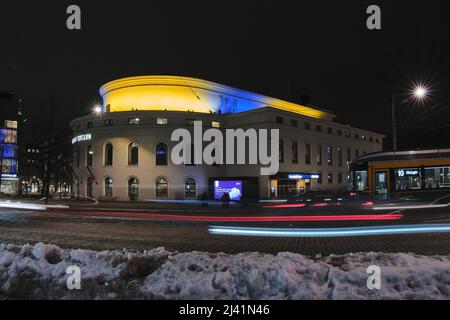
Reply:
x=279 y=48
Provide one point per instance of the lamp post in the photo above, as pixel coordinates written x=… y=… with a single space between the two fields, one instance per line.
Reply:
x=419 y=93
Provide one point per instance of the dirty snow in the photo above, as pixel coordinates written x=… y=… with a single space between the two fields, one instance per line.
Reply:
x=39 y=272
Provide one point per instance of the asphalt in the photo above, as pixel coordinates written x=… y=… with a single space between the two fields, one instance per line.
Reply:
x=101 y=228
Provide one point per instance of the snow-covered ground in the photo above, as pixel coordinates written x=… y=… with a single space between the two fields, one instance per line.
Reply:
x=39 y=272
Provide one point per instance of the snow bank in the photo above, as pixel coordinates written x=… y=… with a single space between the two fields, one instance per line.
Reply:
x=39 y=272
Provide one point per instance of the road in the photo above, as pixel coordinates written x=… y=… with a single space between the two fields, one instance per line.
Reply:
x=109 y=229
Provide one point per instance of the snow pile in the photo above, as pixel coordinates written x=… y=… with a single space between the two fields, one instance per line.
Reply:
x=39 y=272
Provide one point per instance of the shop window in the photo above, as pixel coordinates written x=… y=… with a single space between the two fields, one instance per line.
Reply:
x=133 y=189
x=190 y=189
x=162 y=188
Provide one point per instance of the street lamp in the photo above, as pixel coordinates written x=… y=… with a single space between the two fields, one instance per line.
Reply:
x=419 y=93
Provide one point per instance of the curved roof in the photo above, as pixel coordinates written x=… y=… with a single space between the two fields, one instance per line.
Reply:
x=161 y=92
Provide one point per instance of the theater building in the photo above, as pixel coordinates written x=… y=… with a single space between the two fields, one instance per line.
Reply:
x=122 y=152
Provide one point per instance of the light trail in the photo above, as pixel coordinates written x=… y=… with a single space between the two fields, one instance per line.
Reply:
x=173 y=217
x=330 y=232
x=425 y=206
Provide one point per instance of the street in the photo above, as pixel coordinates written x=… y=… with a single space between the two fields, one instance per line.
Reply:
x=187 y=230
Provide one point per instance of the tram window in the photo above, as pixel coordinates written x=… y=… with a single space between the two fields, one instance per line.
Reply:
x=407 y=179
x=438 y=177
x=361 y=180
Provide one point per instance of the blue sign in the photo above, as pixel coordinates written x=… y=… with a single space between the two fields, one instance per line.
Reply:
x=232 y=187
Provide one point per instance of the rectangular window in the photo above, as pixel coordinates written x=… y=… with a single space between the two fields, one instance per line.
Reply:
x=294 y=123
x=377 y=140
x=438 y=177
x=134 y=121
x=340 y=160
x=330 y=130
x=330 y=178
x=294 y=152
x=190 y=122
x=281 y=151
x=330 y=155
x=356 y=136
x=408 y=179
x=319 y=180
x=349 y=155
x=215 y=124
x=340 y=178
x=348 y=134
x=307 y=125
x=319 y=128
x=339 y=132
x=307 y=153
x=90 y=125
x=363 y=137
x=108 y=123
x=11 y=124
x=280 y=120
x=356 y=154
x=161 y=121
x=319 y=155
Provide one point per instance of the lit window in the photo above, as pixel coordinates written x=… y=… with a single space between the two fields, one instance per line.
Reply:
x=134 y=121
x=108 y=187
x=162 y=152
x=190 y=122
x=161 y=121
x=216 y=124
x=190 y=189
x=162 y=188
x=108 y=123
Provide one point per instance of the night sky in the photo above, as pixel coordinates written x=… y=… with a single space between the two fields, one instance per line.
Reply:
x=278 y=48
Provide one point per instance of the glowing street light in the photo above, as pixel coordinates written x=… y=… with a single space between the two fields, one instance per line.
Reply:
x=419 y=93
x=97 y=109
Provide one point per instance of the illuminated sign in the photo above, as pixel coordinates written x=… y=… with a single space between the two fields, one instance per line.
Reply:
x=232 y=187
x=303 y=176
x=407 y=172
x=83 y=137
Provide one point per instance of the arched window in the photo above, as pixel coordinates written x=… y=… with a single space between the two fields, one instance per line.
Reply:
x=108 y=187
x=162 y=154
x=190 y=189
x=89 y=156
x=108 y=154
x=133 y=189
x=162 y=188
x=89 y=192
x=133 y=154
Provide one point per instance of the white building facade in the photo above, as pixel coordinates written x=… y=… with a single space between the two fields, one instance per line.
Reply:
x=123 y=152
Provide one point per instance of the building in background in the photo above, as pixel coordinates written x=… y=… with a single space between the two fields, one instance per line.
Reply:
x=122 y=152
x=9 y=180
